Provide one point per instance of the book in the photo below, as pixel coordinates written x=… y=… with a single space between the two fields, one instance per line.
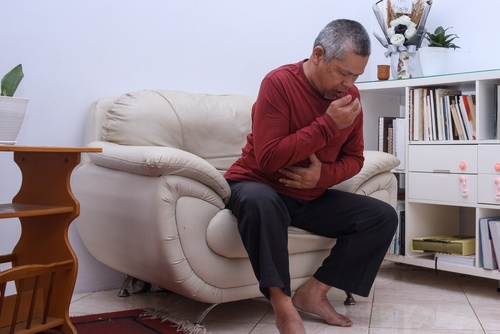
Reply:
x=497 y=111
x=391 y=137
x=397 y=244
x=411 y=114
x=427 y=116
x=398 y=142
x=434 y=116
x=487 y=255
x=441 y=94
x=451 y=244
x=463 y=117
x=457 y=119
x=495 y=238
x=402 y=232
x=465 y=260
x=470 y=104
x=384 y=128
x=421 y=113
x=471 y=119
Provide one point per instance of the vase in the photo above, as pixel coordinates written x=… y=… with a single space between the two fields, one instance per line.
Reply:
x=12 y=110
x=403 y=70
x=433 y=60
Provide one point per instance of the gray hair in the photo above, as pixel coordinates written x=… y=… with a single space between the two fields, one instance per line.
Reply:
x=342 y=36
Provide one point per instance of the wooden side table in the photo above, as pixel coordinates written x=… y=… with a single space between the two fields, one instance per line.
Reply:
x=44 y=266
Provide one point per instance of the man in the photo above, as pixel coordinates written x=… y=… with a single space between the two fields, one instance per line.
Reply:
x=307 y=135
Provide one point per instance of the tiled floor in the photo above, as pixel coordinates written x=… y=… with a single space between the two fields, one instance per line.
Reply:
x=405 y=299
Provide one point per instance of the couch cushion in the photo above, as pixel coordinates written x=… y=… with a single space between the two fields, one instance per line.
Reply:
x=224 y=239
x=213 y=127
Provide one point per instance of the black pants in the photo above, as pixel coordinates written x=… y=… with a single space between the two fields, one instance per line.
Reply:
x=363 y=226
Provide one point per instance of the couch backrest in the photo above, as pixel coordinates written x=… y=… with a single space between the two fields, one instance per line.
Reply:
x=213 y=127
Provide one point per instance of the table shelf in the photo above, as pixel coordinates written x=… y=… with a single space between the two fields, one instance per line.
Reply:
x=18 y=210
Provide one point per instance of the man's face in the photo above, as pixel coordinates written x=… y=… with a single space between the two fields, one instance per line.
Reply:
x=332 y=79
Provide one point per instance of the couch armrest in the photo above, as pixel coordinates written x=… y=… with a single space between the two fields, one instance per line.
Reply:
x=156 y=161
x=375 y=163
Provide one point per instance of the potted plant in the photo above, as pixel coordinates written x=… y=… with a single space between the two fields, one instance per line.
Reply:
x=12 y=109
x=434 y=57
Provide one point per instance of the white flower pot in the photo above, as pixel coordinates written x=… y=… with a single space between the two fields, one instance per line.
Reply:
x=433 y=60
x=12 y=110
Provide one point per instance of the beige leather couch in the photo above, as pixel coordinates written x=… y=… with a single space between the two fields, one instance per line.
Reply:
x=152 y=203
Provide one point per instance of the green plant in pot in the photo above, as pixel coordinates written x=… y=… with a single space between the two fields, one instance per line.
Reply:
x=439 y=39
x=12 y=109
x=434 y=57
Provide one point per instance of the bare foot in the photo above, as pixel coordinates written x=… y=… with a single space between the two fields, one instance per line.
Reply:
x=288 y=320
x=311 y=298
x=290 y=324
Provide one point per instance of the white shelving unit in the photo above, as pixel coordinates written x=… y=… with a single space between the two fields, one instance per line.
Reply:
x=434 y=203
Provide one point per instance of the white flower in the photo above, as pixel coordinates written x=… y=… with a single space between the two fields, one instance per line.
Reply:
x=404 y=19
x=390 y=32
x=410 y=32
x=397 y=39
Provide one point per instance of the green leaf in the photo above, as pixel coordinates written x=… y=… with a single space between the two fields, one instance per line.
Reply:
x=11 y=81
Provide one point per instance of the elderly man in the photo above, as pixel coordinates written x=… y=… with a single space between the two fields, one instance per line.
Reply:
x=307 y=135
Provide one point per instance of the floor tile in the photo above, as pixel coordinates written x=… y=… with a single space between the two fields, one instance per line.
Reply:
x=489 y=316
x=422 y=331
x=418 y=293
x=242 y=311
x=480 y=291
x=108 y=301
x=410 y=315
x=229 y=327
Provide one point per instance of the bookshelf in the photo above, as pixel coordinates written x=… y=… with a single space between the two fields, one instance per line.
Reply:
x=449 y=185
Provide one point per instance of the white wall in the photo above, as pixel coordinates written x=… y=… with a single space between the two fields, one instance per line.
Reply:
x=74 y=52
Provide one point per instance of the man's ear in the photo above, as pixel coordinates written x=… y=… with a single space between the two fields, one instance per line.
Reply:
x=318 y=55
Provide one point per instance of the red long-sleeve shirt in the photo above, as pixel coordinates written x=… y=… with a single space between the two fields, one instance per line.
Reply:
x=288 y=125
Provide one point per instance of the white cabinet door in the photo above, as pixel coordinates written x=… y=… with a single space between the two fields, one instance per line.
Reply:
x=488 y=189
x=489 y=174
x=443 y=158
x=489 y=159
x=442 y=188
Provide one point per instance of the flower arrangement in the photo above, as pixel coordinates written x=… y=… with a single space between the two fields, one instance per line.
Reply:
x=405 y=28
x=401 y=30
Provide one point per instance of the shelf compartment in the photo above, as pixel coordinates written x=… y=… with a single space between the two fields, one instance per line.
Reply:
x=29 y=310
x=19 y=210
x=36 y=325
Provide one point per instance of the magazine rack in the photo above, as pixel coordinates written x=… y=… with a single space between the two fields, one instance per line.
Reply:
x=44 y=266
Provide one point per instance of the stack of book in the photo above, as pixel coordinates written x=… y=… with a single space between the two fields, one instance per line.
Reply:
x=489 y=231
x=465 y=260
x=450 y=244
x=456 y=249
x=391 y=138
x=441 y=114
x=397 y=245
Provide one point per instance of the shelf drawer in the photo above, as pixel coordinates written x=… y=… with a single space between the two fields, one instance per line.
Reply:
x=443 y=188
x=488 y=191
x=489 y=157
x=443 y=158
